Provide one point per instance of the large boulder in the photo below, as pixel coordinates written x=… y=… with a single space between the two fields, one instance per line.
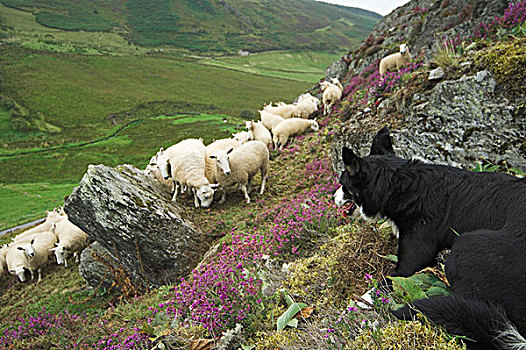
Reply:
x=131 y=216
x=459 y=123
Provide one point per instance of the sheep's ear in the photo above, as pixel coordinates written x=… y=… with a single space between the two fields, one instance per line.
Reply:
x=213 y=157
x=214 y=186
x=53 y=249
x=56 y=244
x=161 y=150
x=230 y=150
x=19 y=248
x=32 y=241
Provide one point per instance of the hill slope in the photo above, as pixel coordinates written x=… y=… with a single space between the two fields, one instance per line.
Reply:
x=210 y=25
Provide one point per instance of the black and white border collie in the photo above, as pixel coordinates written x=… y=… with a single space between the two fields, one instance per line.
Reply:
x=480 y=216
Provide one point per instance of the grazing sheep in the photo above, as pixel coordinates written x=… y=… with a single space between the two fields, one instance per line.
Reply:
x=290 y=127
x=331 y=94
x=52 y=217
x=239 y=166
x=71 y=240
x=395 y=61
x=243 y=136
x=3 y=264
x=152 y=170
x=269 y=120
x=184 y=162
x=305 y=108
x=32 y=255
x=214 y=147
x=308 y=96
x=336 y=82
x=260 y=132
x=285 y=111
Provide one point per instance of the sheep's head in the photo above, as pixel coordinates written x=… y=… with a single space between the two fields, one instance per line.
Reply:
x=249 y=124
x=206 y=195
x=61 y=253
x=324 y=85
x=163 y=165
x=52 y=215
x=28 y=249
x=18 y=271
x=314 y=125
x=404 y=49
x=222 y=161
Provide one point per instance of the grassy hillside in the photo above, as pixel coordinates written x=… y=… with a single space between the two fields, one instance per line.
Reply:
x=209 y=26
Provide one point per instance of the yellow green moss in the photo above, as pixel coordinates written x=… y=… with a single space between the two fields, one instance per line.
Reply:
x=405 y=335
x=506 y=61
x=277 y=340
x=336 y=271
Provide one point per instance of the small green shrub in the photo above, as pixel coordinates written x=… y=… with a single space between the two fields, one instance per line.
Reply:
x=506 y=61
x=405 y=335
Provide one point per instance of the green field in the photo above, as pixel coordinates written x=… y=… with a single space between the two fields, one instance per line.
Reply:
x=296 y=65
x=209 y=27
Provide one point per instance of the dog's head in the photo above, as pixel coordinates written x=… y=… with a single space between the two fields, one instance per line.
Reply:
x=359 y=179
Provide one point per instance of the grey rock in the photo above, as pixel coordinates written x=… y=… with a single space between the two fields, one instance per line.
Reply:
x=462 y=122
x=436 y=74
x=132 y=217
x=98 y=266
x=337 y=69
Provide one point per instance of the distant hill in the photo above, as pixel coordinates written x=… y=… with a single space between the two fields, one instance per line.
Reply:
x=211 y=26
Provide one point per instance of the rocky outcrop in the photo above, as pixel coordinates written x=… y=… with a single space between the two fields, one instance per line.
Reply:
x=132 y=218
x=423 y=23
x=458 y=123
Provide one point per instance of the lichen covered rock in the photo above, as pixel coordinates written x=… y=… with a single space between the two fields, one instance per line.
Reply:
x=459 y=123
x=130 y=215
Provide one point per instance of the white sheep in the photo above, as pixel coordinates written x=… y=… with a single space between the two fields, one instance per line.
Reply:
x=3 y=264
x=269 y=120
x=336 y=82
x=260 y=132
x=284 y=111
x=238 y=166
x=32 y=255
x=395 y=61
x=308 y=96
x=71 y=240
x=331 y=94
x=243 y=136
x=290 y=127
x=305 y=108
x=184 y=162
x=214 y=147
x=52 y=217
x=153 y=171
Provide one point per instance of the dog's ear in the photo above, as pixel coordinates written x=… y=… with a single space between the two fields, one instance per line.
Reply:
x=382 y=144
x=351 y=161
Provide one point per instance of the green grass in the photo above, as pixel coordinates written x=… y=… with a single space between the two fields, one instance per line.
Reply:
x=297 y=65
x=29 y=201
x=25 y=195
x=23 y=29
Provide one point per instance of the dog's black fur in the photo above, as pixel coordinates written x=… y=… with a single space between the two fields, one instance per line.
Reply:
x=480 y=215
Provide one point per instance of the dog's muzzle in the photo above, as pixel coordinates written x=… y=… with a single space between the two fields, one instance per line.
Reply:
x=347 y=206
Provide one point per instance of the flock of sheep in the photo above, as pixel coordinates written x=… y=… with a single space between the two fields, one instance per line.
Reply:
x=190 y=165
x=203 y=170
x=32 y=249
